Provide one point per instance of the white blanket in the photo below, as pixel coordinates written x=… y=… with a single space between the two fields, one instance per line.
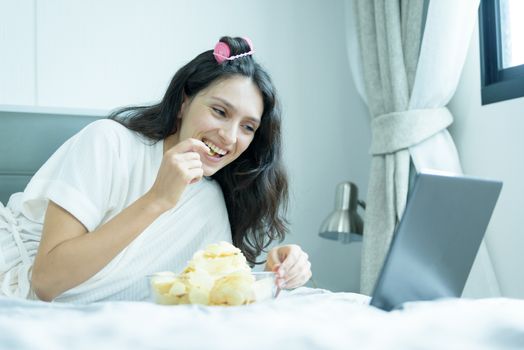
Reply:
x=303 y=319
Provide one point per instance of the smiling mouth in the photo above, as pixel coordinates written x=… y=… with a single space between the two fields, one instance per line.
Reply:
x=214 y=150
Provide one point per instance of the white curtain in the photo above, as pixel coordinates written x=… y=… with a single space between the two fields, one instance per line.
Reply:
x=444 y=47
x=407 y=82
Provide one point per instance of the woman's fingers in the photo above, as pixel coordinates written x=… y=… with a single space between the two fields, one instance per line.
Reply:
x=180 y=167
x=291 y=264
x=190 y=163
x=299 y=270
x=273 y=260
x=196 y=174
x=186 y=156
x=291 y=254
x=299 y=276
x=190 y=145
x=295 y=263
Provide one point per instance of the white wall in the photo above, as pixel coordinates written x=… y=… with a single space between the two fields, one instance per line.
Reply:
x=17 y=52
x=490 y=143
x=328 y=137
x=102 y=54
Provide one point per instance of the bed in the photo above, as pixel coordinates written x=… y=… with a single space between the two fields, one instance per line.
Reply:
x=305 y=318
x=301 y=319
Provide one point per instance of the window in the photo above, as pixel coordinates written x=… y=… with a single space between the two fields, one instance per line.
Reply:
x=501 y=49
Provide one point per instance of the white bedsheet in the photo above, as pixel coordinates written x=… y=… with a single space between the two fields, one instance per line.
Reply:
x=303 y=319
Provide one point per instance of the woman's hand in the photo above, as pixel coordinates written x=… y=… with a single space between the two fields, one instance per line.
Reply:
x=181 y=166
x=291 y=264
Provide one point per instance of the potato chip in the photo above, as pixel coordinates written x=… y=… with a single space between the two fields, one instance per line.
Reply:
x=200 y=279
x=217 y=275
x=233 y=289
x=162 y=281
x=220 y=249
x=198 y=296
x=182 y=299
x=166 y=299
x=178 y=288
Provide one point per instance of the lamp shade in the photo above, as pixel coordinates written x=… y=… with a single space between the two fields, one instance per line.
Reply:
x=344 y=224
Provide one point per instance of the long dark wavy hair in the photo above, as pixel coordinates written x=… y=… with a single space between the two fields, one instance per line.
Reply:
x=255 y=185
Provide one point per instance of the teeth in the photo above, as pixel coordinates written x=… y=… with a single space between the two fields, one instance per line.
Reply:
x=214 y=149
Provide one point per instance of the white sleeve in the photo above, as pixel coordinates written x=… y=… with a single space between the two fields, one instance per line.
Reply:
x=82 y=176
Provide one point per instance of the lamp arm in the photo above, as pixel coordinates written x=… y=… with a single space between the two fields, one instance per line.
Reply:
x=362 y=204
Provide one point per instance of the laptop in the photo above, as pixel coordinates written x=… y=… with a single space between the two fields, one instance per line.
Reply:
x=437 y=239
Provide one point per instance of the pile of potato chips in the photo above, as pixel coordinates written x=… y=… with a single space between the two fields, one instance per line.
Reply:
x=218 y=275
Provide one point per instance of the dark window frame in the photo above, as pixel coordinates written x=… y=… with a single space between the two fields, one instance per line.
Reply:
x=497 y=84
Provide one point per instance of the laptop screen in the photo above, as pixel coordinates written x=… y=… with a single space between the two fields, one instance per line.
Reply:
x=437 y=239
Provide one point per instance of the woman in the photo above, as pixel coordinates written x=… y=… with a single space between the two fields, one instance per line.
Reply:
x=141 y=191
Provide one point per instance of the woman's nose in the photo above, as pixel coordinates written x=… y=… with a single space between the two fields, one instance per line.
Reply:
x=228 y=133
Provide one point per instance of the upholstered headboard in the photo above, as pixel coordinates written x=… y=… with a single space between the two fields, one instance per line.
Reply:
x=27 y=140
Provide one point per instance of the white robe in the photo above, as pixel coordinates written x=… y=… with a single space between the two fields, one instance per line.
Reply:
x=94 y=176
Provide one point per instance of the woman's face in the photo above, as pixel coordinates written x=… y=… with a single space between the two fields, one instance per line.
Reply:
x=225 y=116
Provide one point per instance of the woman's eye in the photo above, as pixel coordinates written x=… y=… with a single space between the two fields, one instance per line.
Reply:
x=249 y=128
x=219 y=111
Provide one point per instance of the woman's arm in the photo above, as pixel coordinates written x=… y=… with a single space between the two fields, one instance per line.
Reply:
x=68 y=255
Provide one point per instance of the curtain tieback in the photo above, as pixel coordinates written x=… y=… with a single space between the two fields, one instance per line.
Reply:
x=398 y=130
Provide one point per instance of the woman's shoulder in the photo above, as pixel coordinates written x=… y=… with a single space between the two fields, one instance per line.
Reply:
x=108 y=132
x=105 y=128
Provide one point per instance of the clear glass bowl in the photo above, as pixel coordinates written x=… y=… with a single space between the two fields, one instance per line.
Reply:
x=224 y=291
x=265 y=286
